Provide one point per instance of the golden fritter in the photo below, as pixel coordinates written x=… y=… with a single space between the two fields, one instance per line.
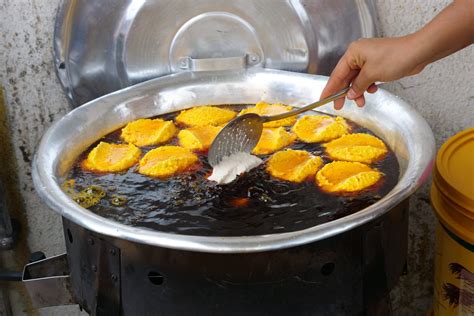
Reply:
x=320 y=128
x=273 y=139
x=344 y=177
x=293 y=165
x=166 y=161
x=205 y=116
x=147 y=132
x=107 y=157
x=198 y=138
x=263 y=108
x=356 y=147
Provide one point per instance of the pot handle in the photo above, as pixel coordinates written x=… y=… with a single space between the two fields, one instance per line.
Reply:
x=48 y=282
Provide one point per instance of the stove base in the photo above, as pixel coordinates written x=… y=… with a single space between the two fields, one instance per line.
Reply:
x=348 y=274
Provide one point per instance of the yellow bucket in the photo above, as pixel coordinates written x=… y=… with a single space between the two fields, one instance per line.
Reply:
x=452 y=198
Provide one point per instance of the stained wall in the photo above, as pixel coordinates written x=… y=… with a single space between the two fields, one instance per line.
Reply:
x=442 y=93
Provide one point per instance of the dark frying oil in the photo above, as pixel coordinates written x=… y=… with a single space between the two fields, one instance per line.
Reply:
x=254 y=204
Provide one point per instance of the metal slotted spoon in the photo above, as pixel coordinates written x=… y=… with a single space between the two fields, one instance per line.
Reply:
x=243 y=133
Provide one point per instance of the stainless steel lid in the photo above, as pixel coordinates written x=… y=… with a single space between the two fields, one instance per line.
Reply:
x=103 y=46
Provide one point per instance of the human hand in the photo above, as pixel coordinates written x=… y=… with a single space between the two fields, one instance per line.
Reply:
x=367 y=61
x=386 y=59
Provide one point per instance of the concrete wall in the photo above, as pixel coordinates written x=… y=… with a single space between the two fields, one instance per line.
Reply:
x=442 y=93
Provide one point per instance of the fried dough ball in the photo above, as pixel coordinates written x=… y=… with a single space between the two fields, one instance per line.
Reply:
x=166 y=161
x=273 y=139
x=293 y=165
x=198 y=138
x=356 y=147
x=107 y=157
x=263 y=108
x=147 y=132
x=344 y=177
x=320 y=128
x=205 y=116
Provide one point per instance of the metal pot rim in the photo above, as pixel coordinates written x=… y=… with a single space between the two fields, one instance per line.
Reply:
x=420 y=157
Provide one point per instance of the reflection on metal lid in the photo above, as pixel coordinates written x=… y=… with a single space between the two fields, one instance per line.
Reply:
x=104 y=46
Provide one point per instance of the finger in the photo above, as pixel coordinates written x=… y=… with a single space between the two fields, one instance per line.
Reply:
x=340 y=77
x=360 y=84
x=360 y=101
x=334 y=85
x=339 y=103
x=372 y=88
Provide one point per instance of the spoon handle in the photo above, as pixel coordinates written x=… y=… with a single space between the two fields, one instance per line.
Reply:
x=305 y=108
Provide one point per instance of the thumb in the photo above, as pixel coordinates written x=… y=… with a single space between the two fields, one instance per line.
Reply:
x=360 y=84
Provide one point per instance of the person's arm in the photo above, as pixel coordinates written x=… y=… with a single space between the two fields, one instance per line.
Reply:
x=386 y=59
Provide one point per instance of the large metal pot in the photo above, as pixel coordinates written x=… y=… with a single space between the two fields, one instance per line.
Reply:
x=386 y=115
x=366 y=249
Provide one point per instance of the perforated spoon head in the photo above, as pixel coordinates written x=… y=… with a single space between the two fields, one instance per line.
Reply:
x=243 y=133
x=239 y=135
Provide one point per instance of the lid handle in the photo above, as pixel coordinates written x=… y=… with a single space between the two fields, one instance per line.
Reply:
x=223 y=63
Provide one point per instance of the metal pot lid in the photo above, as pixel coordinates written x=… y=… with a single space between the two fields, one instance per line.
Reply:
x=104 y=46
